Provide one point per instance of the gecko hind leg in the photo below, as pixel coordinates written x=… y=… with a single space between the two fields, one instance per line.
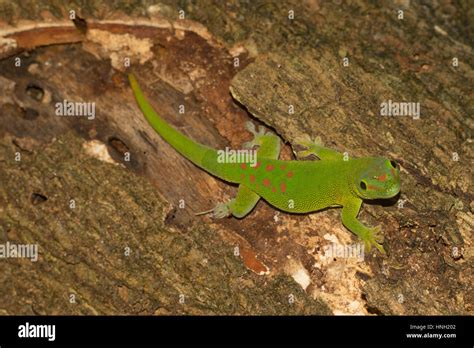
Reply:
x=239 y=206
x=246 y=199
x=315 y=147
x=257 y=135
x=268 y=143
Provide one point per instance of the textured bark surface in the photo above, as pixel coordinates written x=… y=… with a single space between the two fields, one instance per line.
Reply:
x=282 y=62
x=114 y=253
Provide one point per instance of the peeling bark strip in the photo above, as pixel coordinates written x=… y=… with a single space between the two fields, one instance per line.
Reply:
x=27 y=35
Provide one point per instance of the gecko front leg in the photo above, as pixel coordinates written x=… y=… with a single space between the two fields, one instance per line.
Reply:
x=370 y=235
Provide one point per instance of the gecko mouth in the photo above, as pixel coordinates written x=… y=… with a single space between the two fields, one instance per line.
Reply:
x=393 y=191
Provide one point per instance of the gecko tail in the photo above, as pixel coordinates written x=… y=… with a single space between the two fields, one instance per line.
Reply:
x=203 y=156
x=181 y=143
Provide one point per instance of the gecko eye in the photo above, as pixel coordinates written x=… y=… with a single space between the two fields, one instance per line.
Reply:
x=363 y=185
x=394 y=164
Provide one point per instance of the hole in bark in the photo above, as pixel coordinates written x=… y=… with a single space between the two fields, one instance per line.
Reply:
x=170 y=216
x=80 y=24
x=35 y=92
x=373 y=310
x=363 y=276
x=38 y=198
x=118 y=145
x=30 y=114
x=370 y=309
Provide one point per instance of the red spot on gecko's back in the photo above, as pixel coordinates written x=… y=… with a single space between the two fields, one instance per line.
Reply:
x=274 y=189
x=266 y=182
x=243 y=166
x=269 y=167
x=382 y=178
x=283 y=187
x=257 y=165
x=252 y=178
x=282 y=167
x=242 y=176
x=290 y=174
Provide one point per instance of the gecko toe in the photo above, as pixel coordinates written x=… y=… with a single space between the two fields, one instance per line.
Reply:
x=221 y=211
x=250 y=127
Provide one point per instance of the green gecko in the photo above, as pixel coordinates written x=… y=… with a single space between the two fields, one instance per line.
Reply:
x=291 y=186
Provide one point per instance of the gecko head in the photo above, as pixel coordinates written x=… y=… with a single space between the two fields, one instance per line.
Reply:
x=377 y=178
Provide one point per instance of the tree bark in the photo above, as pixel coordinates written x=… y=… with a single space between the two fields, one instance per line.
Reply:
x=132 y=244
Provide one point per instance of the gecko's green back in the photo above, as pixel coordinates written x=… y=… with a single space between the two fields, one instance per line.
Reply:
x=306 y=186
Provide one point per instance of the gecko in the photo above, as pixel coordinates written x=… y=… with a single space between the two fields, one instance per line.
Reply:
x=294 y=186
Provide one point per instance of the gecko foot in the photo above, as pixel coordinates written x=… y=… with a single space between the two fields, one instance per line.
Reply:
x=307 y=144
x=374 y=237
x=257 y=135
x=220 y=211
